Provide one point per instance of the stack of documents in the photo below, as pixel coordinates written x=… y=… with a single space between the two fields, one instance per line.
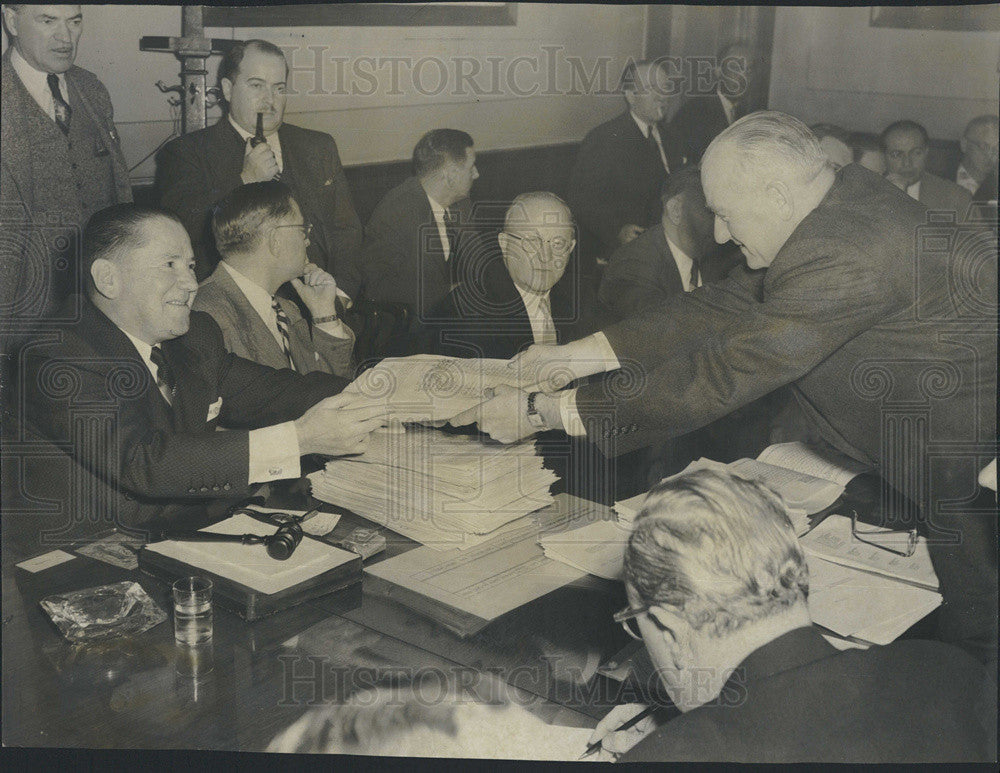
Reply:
x=597 y=548
x=444 y=491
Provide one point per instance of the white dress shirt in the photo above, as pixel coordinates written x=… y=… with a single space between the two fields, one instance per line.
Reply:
x=274 y=451
x=651 y=128
x=913 y=191
x=539 y=308
x=728 y=106
x=684 y=264
x=37 y=84
x=966 y=180
x=272 y=140
x=438 y=212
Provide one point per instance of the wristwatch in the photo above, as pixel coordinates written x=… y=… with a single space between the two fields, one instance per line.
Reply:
x=535 y=419
x=328 y=318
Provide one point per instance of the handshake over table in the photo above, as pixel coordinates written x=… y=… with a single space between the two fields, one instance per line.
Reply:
x=493 y=394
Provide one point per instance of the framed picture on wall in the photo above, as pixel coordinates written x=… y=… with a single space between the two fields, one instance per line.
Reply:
x=963 y=18
x=364 y=15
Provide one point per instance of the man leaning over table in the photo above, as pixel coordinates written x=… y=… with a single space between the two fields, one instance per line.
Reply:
x=130 y=396
x=892 y=362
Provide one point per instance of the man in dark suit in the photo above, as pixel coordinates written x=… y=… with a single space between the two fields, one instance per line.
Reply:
x=127 y=400
x=61 y=161
x=905 y=144
x=874 y=320
x=703 y=116
x=413 y=247
x=717 y=585
x=615 y=184
x=195 y=171
x=678 y=256
x=263 y=238
x=524 y=288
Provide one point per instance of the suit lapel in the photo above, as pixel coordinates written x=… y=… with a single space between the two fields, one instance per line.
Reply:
x=259 y=338
x=671 y=274
x=226 y=150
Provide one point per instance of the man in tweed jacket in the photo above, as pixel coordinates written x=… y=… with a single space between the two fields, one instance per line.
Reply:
x=53 y=174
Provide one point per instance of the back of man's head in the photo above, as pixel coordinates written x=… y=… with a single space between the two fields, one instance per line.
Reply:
x=719 y=549
x=768 y=144
x=238 y=220
x=113 y=231
x=684 y=182
x=437 y=148
x=432 y=717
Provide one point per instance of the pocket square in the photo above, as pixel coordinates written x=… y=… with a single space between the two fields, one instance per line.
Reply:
x=214 y=409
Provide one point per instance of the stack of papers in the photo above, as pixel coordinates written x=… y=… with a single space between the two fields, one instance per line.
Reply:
x=444 y=491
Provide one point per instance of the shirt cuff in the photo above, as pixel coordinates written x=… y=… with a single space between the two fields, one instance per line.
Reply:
x=571 y=421
x=606 y=353
x=274 y=453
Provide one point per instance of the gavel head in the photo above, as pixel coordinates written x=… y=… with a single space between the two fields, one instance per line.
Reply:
x=283 y=542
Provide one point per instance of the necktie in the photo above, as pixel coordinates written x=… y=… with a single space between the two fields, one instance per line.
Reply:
x=165 y=381
x=283 y=325
x=547 y=326
x=654 y=135
x=63 y=111
x=450 y=230
x=695 y=274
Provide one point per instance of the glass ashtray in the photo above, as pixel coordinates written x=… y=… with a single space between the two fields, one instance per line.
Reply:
x=120 y=609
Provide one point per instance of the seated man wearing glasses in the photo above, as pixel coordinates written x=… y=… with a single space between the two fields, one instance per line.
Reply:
x=717 y=586
x=518 y=288
x=262 y=237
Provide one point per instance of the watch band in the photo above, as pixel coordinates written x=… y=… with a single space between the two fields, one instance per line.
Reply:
x=328 y=318
x=535 y=419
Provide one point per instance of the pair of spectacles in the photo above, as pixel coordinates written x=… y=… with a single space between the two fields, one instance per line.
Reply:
x=560 y=245
x=877 y=538
x=627 y=618
x=306 y=228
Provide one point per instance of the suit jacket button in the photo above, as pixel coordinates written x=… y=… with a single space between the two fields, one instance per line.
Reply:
x=204 y=488
x=216 y=488
x=226 y=487
x=192 y=491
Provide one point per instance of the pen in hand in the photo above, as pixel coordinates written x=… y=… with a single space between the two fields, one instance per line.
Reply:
x=627 y=725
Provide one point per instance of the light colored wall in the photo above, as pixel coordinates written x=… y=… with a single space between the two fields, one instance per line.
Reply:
x=830 y=65
x=384 y=126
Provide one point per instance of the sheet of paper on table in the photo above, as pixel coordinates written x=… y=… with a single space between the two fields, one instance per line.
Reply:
x=491 y=578
x=597 y=548
x=864 y=606
x=832 y=540
x=250 y=565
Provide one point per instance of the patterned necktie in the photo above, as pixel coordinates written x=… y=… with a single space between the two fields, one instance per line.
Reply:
x=283 y=325
x=547 y=333
x=165 y=381
x=63 y=111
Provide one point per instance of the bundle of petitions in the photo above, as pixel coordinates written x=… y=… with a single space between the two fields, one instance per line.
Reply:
x=444 y=491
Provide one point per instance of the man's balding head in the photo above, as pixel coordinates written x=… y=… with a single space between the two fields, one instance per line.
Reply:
x=648 y=90
x=537 y=240
x=761 y=177
x=979 y=146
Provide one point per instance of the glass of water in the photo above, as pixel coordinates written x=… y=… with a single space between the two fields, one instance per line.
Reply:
x=193 y=610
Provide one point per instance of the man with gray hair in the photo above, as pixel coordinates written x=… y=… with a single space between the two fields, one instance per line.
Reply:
x=717 y=586
x=879 y=322
x=979 y=152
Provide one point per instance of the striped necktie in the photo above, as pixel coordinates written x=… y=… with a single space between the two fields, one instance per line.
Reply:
x=283 y=325
x=62 y=108
x=165 y=381
x=695 y=275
